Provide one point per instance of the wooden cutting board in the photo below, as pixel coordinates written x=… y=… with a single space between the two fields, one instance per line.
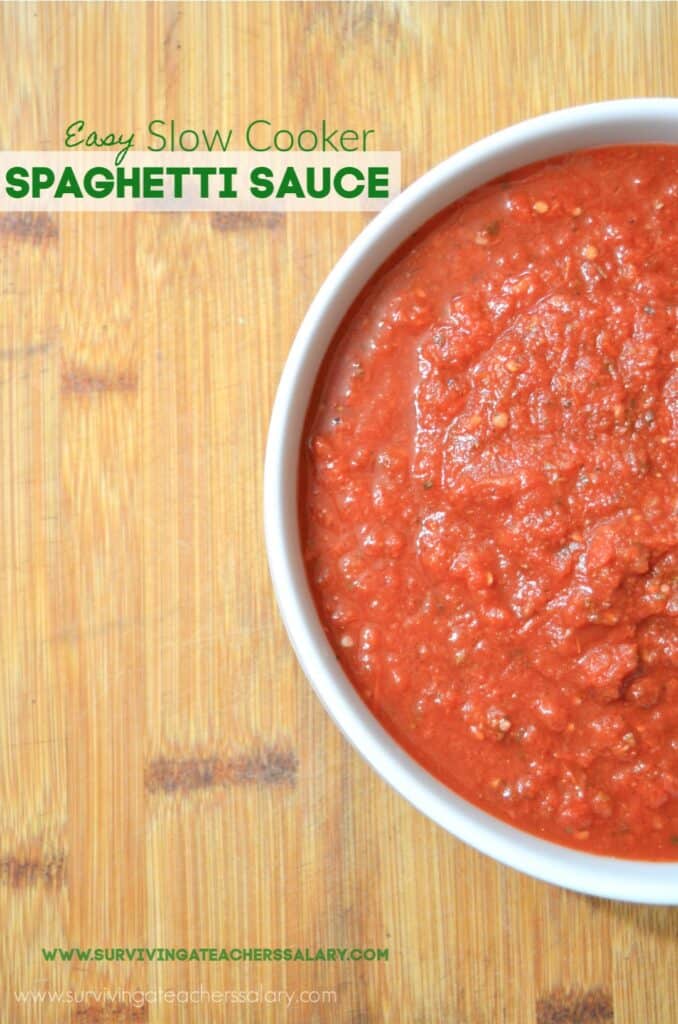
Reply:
x=167 y=776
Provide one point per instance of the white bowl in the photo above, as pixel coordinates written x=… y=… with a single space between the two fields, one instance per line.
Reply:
x=622 y=121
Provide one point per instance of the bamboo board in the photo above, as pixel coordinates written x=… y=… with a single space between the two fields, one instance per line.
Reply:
x=167 y=777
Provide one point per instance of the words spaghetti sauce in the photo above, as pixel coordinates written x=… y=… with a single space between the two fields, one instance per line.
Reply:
x=488 y=498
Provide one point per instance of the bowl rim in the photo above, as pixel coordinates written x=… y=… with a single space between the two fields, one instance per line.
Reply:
x=611 y=122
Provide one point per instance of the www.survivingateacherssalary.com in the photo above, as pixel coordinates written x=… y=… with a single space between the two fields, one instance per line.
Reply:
x=214 y=953
x=324 y=167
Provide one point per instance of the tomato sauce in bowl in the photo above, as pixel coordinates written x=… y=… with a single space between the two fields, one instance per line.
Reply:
x=488 y=498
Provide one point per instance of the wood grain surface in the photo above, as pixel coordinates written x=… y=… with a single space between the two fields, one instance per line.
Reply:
x=167 y=776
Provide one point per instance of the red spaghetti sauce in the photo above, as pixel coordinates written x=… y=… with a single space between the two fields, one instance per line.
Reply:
x=488 y=499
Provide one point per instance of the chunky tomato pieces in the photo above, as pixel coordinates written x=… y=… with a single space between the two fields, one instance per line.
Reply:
x=488 y=499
